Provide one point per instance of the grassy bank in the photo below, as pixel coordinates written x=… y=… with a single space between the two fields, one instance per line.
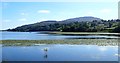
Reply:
x=84 y=33
x=100 y=42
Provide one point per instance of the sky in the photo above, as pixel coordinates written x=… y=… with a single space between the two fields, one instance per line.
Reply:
x=15 y=14
x=59 y=0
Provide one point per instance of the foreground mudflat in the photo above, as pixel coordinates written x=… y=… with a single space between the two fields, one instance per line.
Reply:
x=70 y=41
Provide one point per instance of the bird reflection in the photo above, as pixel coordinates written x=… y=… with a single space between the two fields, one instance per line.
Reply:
x=45 y=55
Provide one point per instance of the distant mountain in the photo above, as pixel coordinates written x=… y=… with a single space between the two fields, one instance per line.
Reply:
x=78 y=19
x=82 y=19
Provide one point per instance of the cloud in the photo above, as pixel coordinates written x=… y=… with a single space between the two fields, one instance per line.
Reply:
x=24 y=14
x=105 y=11
x=102 y=49
x=118 y=55
x=7 y=20
x=43 y=11
x=23 y=19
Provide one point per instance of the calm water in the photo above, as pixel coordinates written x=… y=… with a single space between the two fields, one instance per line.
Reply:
x=41 y=36
x=57 y=52
x=0 y=53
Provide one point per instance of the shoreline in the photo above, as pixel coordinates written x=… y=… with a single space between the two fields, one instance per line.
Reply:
x=72 y=33
x=84 y=33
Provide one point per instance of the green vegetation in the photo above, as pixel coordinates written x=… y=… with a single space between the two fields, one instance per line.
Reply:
x=73 y=26
x=94 y=26
x=117 y=29
x=99 y=42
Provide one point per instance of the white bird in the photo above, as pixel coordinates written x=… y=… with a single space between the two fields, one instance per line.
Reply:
x=45 y=49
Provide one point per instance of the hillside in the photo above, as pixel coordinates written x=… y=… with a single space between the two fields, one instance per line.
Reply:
x=80 y=19
x=79 y=24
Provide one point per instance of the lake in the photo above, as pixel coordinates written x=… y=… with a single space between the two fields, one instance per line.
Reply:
x=58 y=52
x=42 y=36
x=85 y=51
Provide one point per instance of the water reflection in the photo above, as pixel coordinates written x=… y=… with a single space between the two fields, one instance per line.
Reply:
x=0 y=53
x=45 y=55
x=42 y=36
x=57 y=52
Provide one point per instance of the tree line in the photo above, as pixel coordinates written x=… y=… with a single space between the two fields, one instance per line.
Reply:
x=94 y=26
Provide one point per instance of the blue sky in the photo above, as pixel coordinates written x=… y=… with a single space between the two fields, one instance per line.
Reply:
x=20 y=13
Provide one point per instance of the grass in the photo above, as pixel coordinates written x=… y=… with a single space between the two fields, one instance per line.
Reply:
x=99 y=42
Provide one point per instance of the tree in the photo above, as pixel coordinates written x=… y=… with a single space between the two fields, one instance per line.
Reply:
x=117 y=29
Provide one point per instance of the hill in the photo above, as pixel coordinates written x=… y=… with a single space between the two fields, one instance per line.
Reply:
x=81 y=19
x=79 y=24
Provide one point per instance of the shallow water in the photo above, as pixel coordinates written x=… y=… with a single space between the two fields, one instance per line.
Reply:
x=41 y=36
x=57 y=52
x=0 y=53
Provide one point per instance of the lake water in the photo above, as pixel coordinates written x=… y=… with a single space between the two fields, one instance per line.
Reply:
x=58 y=52
x=41 y=36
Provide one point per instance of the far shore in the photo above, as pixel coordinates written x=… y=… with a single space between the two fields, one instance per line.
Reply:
x=73 y=33
x=84 y=33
